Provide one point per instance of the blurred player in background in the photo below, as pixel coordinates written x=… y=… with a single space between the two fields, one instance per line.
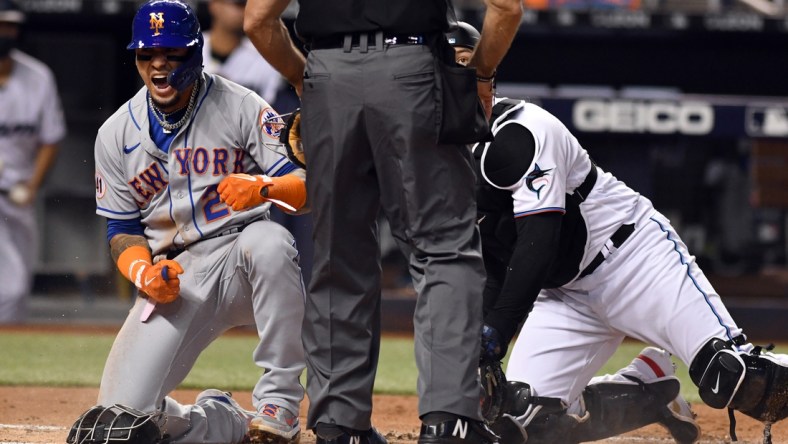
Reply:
x=228 y=53
x=31 y=125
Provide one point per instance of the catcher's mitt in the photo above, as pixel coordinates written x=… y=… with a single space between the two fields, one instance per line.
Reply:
x=118 y=424
x=494 y=389
x=290 y=137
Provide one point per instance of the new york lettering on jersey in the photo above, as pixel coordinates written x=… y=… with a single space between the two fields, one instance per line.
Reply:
x=174 y=192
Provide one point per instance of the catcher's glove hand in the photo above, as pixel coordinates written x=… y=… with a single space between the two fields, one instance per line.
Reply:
x=290 y=137
x=492 y=376
x=493 y=390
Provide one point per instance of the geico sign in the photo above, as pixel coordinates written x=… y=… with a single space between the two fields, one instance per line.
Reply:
x=627 y=116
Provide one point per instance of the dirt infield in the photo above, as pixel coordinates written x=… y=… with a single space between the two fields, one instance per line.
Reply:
x=43 y=414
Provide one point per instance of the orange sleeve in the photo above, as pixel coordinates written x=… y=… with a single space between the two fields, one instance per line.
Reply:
x=288 y=188
x=133 y=261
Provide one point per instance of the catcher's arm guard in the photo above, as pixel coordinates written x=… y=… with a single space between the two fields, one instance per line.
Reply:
x=493 y=390
x=290 y=137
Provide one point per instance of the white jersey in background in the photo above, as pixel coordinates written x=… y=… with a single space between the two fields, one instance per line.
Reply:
x=30 y=116
x=246 y=67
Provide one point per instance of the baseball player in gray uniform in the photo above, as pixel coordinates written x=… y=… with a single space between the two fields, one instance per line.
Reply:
x=587 y=261
x=185 y=173
x=31 y=125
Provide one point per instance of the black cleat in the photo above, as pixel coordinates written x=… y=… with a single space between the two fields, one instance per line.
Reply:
x=370 y=436
x=457 y=431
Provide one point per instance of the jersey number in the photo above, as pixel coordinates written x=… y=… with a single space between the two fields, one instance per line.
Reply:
x=214 y=208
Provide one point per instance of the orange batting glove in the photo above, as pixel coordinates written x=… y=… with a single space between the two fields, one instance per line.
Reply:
x=159 y=282
x=243 y=191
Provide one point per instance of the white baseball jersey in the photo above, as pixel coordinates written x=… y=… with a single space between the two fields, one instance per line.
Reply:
x=244 y=66
x=647 y=285
x=175 y=192
x=30 y=116
x=559 y=166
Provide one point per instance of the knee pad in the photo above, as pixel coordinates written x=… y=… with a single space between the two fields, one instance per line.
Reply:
x=755 y=383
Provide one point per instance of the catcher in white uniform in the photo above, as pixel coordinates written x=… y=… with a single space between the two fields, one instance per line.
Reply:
x=184 y=173
x=594 y=262
x=587 y=261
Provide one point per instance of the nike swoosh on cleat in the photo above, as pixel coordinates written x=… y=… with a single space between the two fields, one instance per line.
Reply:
x=716 y=388
x=130 y=149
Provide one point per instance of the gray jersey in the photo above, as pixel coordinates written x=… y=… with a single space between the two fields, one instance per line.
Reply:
x=175 y=193
x=30 y=116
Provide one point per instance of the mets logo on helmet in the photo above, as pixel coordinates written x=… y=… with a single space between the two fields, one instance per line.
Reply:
x=271 y=123
x=156 y=22
x=537 y=179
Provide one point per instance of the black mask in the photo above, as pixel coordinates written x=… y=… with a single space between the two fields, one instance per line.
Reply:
x=6 y=45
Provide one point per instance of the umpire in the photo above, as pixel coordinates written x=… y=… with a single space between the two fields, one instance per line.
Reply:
x=377 y=135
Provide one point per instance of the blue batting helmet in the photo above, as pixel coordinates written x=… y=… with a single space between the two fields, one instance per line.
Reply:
x=170 y=24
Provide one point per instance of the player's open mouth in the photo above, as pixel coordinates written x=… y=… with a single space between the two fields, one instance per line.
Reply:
x=160 y=82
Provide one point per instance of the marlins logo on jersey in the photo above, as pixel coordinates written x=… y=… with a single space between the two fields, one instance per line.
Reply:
x=537 y=179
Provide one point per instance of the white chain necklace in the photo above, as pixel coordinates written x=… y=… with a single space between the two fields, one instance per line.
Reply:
x=161 y=117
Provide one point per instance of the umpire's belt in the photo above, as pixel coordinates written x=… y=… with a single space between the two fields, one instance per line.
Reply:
x=616 y=239
x=173 y=253
x=366 y=39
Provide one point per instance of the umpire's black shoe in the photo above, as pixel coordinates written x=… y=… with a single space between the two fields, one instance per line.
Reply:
x=370 y=436
x=457 y=431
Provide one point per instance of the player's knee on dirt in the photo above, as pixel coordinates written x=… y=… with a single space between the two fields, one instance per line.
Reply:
x=754 y=383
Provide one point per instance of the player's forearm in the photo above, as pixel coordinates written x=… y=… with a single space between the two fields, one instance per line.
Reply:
x=121 y=242
x=269 y=35
x=537 y=243
x=501 y=22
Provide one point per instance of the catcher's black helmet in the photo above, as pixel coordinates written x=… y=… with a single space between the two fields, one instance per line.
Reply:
x=10 y=12
x=118 y=424
x=465 y=35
